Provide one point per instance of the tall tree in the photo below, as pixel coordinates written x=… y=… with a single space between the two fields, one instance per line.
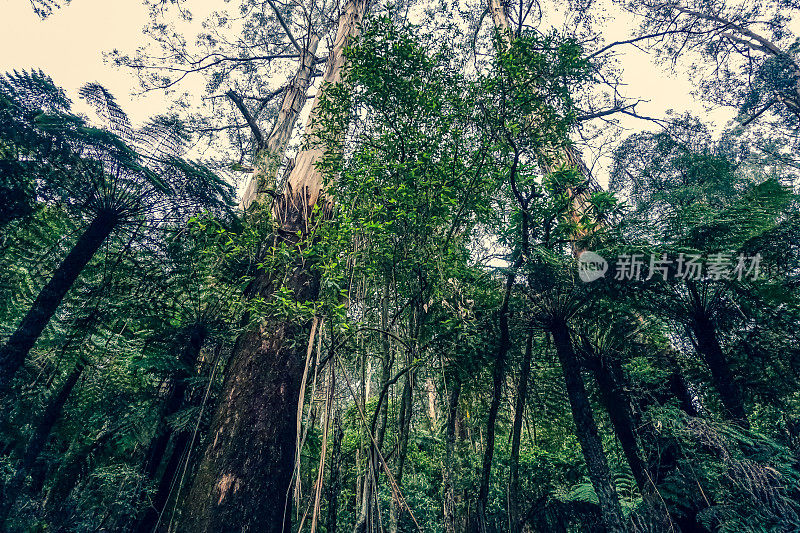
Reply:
x=233 y=488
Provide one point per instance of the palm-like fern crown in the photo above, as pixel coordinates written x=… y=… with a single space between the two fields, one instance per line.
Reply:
x=119 y=170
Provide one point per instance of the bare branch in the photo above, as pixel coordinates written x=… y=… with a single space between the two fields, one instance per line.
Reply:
x=773 y=49
x=237 y=101
x=759 y=112
x=284 y=26
x=637 y=39
x=606 y=112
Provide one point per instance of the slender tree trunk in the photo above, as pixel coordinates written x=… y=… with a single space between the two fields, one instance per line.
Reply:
x=498 y=376
x=166 y=483
x=448 y=470
x=618 y=406
x=334 y=482
x=516 y=432
x=403 y=427
x=378 y=430
x=160 y=443
x=15 y=350
x=379 y=421
x=586 y=430
x=174 y=401
x=677 y=383
x=243 y=480
x=710 y=350
x=51 y=416
x=430 y=392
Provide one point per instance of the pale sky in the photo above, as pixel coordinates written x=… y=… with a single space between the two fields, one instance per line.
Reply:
x=69 y=46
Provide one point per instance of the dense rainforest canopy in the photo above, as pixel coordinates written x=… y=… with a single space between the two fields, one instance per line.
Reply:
x=421 y=311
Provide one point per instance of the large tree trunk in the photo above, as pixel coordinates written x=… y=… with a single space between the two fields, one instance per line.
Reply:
x=516 y=432
x=15 y=350
x=586 y=430
x=41 y=434
x=243 y=480
x=270 y=156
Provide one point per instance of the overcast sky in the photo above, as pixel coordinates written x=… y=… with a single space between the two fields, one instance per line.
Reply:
x=69 y=47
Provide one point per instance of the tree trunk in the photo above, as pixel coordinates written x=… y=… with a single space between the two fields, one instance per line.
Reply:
x=270 y=156
x=403 y=427
x=378 y=430
x=498 y=376
x=15 y=350
x=677 y=383
x=710 y=350
x=150 y=520
x=174 y=401
x=242 y=483
x=379 y=421
x=334 y=483
x=618 y=406
x=40 y=436
x=516 y=432
x=160 y=443
x=586 y=430
x=448 y=471
x=243 y=480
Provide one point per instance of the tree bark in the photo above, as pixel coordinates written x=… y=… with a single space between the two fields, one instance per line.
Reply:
x=243 y=481
x=586 y=430
x=16 y=348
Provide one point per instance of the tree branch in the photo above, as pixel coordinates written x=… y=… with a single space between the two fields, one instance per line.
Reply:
x=237 y=101
x=285 y=26
x=730 y=24
x=606 y=112
x=759 y=112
